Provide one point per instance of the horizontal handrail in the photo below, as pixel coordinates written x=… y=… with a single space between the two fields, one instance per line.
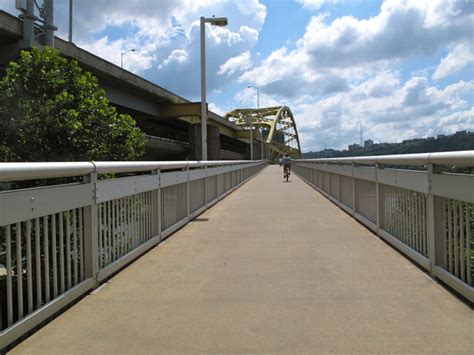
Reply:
x=462 y=157
x=60 y=241
x=43 y=170
x=427 y=215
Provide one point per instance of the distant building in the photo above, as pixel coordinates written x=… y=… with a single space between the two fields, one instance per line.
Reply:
x=354 y=146
x=368 y=143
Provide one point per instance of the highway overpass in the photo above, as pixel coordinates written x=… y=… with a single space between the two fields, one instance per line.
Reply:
x=172 y=119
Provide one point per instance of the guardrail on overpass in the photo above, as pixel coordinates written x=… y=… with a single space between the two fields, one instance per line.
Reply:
x=60 y=241
x=427 y=215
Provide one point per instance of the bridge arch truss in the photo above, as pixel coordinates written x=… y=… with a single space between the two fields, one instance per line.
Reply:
x=278 y=125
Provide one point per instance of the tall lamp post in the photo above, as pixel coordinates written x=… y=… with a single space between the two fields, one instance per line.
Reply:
x=258 y=107
x=123 y=53
x=70 y=20
x=216 y=21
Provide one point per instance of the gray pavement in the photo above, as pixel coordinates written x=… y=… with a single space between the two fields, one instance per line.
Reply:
x=273 y=268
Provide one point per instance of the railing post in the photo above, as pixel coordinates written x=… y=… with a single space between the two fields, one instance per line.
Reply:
x=435 y=223
x=156 y=205
x=354 y=200
x=91 y=232
x=205 y=184
x=379 y=199
x=159 y=198
x=187 y=191
x=338 y=183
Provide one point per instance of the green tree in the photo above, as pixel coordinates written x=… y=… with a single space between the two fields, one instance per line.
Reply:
x=52 y=110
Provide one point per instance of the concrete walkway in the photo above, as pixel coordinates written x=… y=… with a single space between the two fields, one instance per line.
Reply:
x=273 y=268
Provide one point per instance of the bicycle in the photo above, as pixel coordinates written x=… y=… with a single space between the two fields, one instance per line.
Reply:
x=286 y=172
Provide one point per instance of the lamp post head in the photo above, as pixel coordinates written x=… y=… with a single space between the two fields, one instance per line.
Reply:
x=217 y=21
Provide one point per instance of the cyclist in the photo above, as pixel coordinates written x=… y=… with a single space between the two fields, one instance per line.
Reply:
x=286 y=162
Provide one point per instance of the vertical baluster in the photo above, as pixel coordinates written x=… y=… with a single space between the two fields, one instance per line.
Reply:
x=8 y=241
x=99 y=236
x=136 y=220
x=141 y=220
x=120 y=226
x=62 y=271
x=29 y=267
x=19 y=271
x=450 y=238
x=124 y=226
x=130 y=223
x=420 y=222
x=54 y=254
x=468 y=243
x=74 y=247
x=143 y=215
x=68 y=250
x=455 y=237
x=148 y=214
x=114 y=234
x=462 y=243
x=397 y=211
x=105 y=236
x=413 y=221
x=425 y=225
x=408 y=218
x=39 y=297
x=81 y=246
x=416 y=233
x=402 y=215
x=46 y=259
x=109 y=230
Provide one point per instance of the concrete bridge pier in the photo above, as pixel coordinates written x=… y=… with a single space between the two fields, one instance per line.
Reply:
x=213 y=142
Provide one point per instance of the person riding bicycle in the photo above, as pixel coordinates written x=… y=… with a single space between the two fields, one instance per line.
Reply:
x=286 y=162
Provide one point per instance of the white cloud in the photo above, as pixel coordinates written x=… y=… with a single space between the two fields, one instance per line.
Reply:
x=216 y=109
x=176 y=56
x=239 y=63
x=316 y=4
x=403 y=111
x=456 y=60
x=166 y=36
x=332 y=55
x=248 y=98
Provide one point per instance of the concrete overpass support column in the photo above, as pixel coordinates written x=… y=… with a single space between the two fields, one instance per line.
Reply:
x=213 y=142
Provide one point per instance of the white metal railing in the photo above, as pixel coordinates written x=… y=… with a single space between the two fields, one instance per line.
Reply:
x=59 y=241
x=426 y=214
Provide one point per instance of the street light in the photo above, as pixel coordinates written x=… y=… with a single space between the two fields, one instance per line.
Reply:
x=258 y=94
x=123 y=53
x=216 y=21
x=258 y=107
x=70 y=20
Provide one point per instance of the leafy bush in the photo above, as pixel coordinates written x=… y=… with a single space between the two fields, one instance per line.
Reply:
x=52 y=110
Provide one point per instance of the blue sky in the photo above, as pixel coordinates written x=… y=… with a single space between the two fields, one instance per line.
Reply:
x=403 y=69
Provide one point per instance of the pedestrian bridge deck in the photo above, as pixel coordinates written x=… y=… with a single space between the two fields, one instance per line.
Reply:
x=273 y=268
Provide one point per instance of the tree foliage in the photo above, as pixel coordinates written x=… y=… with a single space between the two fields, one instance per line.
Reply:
x=52 y=110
